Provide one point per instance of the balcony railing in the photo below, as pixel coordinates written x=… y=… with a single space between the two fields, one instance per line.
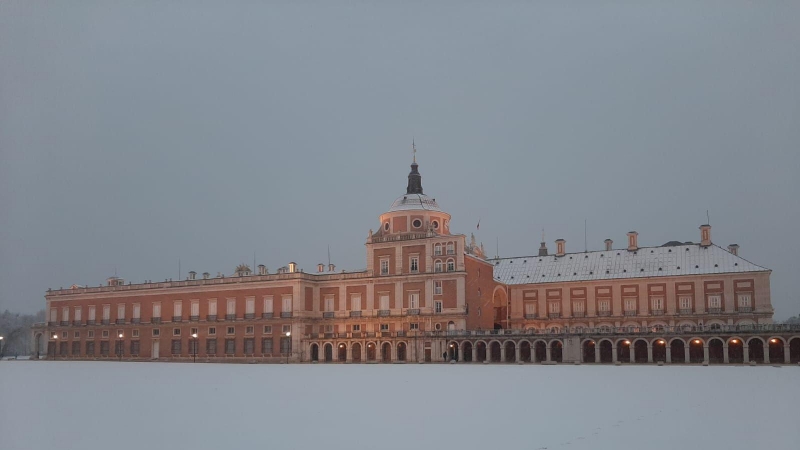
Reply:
x=136 y=320
x=106 y=321
x=329 y=335
x=77 y=323
x=629 y=312
x=530 y=316
x=579 y=314
x=554 y=315
x=714 y=310
x=355 y=313
x=413 y=312
x=156 y=320
x=657 y=312
x=745 y=309
x=90 y=322
x=267 y=315
x=401 y=333
x=230 y=316
x=328 y=314
x=383 y=312
x=64 y=323
x=120 y=322
x=177 y=318
x=356 y=334
x=603 y=313
x=52 y=324
x=286 y=314
x=685 y=311
x=211 y=317
x=370 y=334
x=250 y=315
x=194 y=318
x=386 y=333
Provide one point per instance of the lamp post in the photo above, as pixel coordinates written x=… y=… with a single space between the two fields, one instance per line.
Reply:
x=288 y=346
x=194 y=347
x=119 y=347
x=1 y=347
x=55 y=344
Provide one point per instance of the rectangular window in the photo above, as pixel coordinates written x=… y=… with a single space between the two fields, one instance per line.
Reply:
x=414 y=264
x=195 y=309
x=287 y=304
x=64 y=335
x=121 y=311
x=286 y=345
x=90 y=349
x=135 y=333
x=714 y=301
x=413 y=300
x=685 y=302
x=249 y=329
x=355 y=302
x=231 y=307
x=156 y=332
x=451 y=265
x=176 y=331
x=268 y=304
x=329 y=303
x=230 y=330
x=77 y=314
x=104 y=333
x=578 y=307
x=530 y=308
x=211 y=347
x=745 y=300
x=356 y=327
x=250 y=306
x=413 y=326
x=156 y=310
x=266 y=346
x=76 y=335
x=104 y=348
x=92 y=313
x=65 y=314
x=249 y=346
x=384 y=301
x=437 y=250
x=53 y=315
x=384 y=327
x=137 y=311
x=554 y=307
x=176 y=346
x=230 y=346
x=90 y=334
x=177 y=309
x=604 y=305
x=76 y=348
x=192 y=331
x=267 y=329
x=329 y=328
x=437 y=306
x=286 y=329
x=451 y=248
x=212 y=307
x=135 y=347
x=384 y=266
x=437 y=288
x=630 y=304
x=212 y=331
x=106 y=312
x=437 y=266
x=657 y=303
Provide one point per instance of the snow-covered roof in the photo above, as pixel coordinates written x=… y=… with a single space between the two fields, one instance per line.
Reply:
x=410 y=202
x=674 y=260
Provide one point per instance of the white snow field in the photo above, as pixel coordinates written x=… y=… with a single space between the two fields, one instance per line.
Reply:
x=113 y=405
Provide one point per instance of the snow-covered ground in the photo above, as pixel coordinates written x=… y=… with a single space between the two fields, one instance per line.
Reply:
x=112 y=405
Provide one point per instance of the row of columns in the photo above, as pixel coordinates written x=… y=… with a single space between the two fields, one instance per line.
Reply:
x=686 y=357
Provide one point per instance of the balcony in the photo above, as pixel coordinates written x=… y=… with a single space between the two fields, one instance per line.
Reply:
x=64 y=323
x=120 y=321
x=383 y=312
x=554 y=315
x=77 y=323
x=579 y=314
x=629 y=312
x=211 y=317
x=267 y=315
x=371 y=334
x=156 y=320
x=136 y=320
x=413 y=311
x=386 y=334
x=52 y=324
x=714 y=310
x=356 y=334
x=329 y=335
x=341 y=335
x=105 y=321
x=250 y=316
x=328 y=315
x=401 y=333
x=177 y=318
x=90 y=322
x=657 y=312
x=530 y=316
x=603 y=313
x=355 y=313
x=745 y=309
x=286 y=315
x=685 y=311
x=230 y=316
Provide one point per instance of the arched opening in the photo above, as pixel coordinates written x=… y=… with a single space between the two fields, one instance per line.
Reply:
x=328 y=350
x=794 y=351
x=606 y=351
x=755 y=350
x=495 y=351
x=640 y=351
x=540 y=351
x=588 y=351
x=624 y=351
x=678 y=351
x=716 y=352
x=467 y=348
x=314 y=352
x=451 y=326
x=511 y=351
x=371 y=352
x=696 y=351
x=452 y=351
x=660 y=350
x=342 y=355
x=556 y=351
x=776 y=351
x=481 y=351
x=356 y=358
x=401 y=351
x=500 y=308
x=386 y=352
x=735 y=351
x=525 y=351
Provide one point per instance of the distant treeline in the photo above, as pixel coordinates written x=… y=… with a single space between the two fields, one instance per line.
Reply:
x=16 y=332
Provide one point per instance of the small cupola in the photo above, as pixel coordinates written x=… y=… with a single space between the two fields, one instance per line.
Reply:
x=192 y=275
x=542 y=249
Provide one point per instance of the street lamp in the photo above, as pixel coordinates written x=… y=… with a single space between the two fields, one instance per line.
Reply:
x=1 y=347
x=55 y=344
x=288 y=346
x=119 y=347
x=194 y=347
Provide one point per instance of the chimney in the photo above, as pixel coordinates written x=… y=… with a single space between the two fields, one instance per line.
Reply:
x=734 y=249
x=633 y=241
x=262 y=269
x=560 y=244
x=206 y=275
x=705 y=235
x=292 y=267
x=331 y=268
x=192 y=275
x=608 y=243
x=320 y=267
x=543 y=249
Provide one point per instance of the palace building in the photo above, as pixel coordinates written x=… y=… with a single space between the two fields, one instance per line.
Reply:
x=429 y=294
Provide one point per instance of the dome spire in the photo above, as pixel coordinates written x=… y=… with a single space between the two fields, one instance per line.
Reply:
x=414 y=178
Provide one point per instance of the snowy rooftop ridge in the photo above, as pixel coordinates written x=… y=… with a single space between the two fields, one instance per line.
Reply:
x=673 y=260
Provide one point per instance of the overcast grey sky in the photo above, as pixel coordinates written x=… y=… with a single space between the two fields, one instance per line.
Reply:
x=133 y=134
